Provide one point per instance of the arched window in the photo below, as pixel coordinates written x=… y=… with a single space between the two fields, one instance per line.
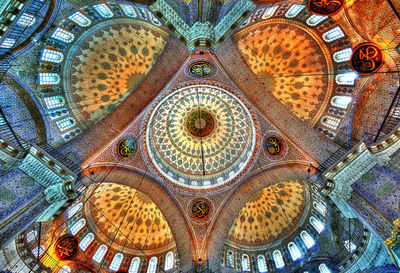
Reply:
x=230 y=259
x=294 y=251
x=26 y=20
x=342 y=55
x=278 y=259
x=85 y=242
x=341 y=101
x=66 y=123
x=65 y=269
x=134 y=267
x=269 y=12
x=128 y=10
x=31 y=235
x=54 y=102
x=62 y=35
x=307 y=239
x=350 y=246
x=49 y=55
x=319 y=227
x=152 y=265
x=78 y=226
x=72 y=211
x=330 y=122
x=49 y=78
x=323 y=268
x=320 y=208
x=38 y=251
x=262 y=264
x=116 y=262
x=103 y=10
x=294 y=11
x=245 y=263
x=346 y=78
x=314 y=20
x=7 y=43
x=100 y=252
x=80 y=19
x=169 y=261
x=333 y=34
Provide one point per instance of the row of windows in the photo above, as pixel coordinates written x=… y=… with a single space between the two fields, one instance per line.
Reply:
x=276 y=255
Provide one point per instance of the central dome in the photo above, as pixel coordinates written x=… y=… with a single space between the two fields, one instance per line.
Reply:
x=200 y=137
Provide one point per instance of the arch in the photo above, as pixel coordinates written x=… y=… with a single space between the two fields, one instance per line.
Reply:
x=245 y=262
x=294 y=251
x=333 y=34
x=65 y=269
x=323 y=268
x=169 y=261
x=240 y=196
x=320 y=208
x=86 y=241
x=262 y=264
x=165 y=202
x=294 y=10
x=117 y=261
x=63 y=35
x=317 y=224
x=26 y=20
x=80 y=19
x=230 y=258
x=78 y=226
x=72 y=211
x=104 y=10
x=31 y=235
x=341 y=101
x=134 y=266
x=152 y=267
x=100 y=253
x=314 y=20
x=53 y=56
x=307 y=239
x=278 y=259
x=342 y=55
x=49 y=78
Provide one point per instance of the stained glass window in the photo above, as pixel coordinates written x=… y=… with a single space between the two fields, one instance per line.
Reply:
x=152 y=265
x=85 y=242
x=269 y=12
x=307 y=239
x=294 y=11
x=262 y=264
x=245 y=263
x=350 y=246
x=116 y=262
x=294 y=251
x=100 y=252
x=103 y=10
x=319 y=227
x=49 y=79
x=26 y=20
x=341 y=101
x=230 y=258
x=49 y=55
x=346 y=78
x=314 y=20
x=342 y=55
x=333 y=34
x=169 y=261
x=72 y=211
x=278 y=259
x=330 y=122
x=323 y=268
x=320 y=208
x=78 y=226
x=62 y=35
x=134 y=267
x=66 y=123
x=128 y=10
x=54 y=102
x=80 y=19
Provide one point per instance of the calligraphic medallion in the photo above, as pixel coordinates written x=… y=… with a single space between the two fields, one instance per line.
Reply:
x=366 y=59
x=201 y=69
x=325 y=7
x=200 y=123
x=200 y=209
x=273 y=145
x=66 y=247
x=126 y=147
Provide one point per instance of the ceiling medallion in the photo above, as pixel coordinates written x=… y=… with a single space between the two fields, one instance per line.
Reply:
x=325 y=7
x=366 y=59
x=274 y=146
x=200 y=137
x=126 y=147
x=66 y=247
x=200 y=209
x=201 y=69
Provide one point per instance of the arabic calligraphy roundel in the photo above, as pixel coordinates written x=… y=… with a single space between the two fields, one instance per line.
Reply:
x=200 y=209
x=274 y=146
x=200 y=69
x=325 y=7
x=66 y=247
x=366 y=59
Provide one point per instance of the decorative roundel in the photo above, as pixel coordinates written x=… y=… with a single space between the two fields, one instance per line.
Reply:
x=200 y=137
x=366 y=59
x=66 y=247
x=274 y=146
x=201 y=69
x=126 y=147
x=200 y=209
x=325 y=7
